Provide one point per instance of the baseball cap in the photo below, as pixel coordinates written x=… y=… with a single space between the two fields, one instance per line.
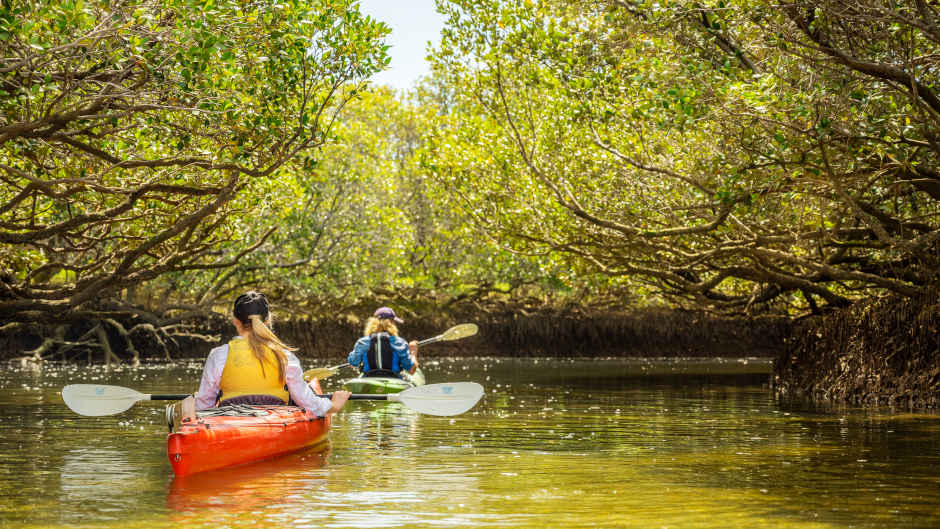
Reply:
x=386 y=313
x=250 y=303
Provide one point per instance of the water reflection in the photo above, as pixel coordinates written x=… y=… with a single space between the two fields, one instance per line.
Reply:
x=591 y=443
x=382 y=426
x=98 y=475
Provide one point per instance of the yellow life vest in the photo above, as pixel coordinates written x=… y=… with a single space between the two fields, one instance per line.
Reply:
x=242 y=374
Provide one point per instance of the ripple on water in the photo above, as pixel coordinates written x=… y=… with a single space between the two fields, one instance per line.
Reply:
x=625 y=444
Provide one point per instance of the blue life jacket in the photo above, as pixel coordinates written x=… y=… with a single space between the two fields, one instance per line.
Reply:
x=381 y=360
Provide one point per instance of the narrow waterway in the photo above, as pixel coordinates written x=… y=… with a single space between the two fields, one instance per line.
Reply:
x=593 y=443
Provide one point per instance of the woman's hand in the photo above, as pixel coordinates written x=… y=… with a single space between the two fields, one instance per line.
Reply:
x=413 y=349
x=339 y=400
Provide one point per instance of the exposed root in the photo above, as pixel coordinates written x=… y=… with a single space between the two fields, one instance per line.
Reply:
x=128 y=344
x=105 y=345
x=882 y=352
x=113 y=340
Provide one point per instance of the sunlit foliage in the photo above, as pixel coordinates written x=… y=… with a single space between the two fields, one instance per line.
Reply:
x=128 y=129
x=730 y=154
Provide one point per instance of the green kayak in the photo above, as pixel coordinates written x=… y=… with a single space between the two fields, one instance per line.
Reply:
x=383 y=385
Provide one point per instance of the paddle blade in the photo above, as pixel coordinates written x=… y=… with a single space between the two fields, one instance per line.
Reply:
x=447 y=399
x=95 y=400
x=319 y=372
x=460 y=331
x=322 y=372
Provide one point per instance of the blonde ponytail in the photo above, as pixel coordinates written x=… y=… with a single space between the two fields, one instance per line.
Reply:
x=262 y=339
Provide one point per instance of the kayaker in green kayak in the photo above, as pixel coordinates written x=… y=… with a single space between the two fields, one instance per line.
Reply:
x=382 y=351
x=256 y=367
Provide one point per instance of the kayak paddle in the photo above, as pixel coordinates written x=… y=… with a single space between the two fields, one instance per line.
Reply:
x=445 y=399
x=454 y=333
x=95 y=399
x=449 y=398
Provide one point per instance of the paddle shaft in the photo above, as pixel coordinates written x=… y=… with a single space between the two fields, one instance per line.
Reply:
x=356 y=396
x=431 y=340
x=452 y=398
x=169 y=396
x=359 y=396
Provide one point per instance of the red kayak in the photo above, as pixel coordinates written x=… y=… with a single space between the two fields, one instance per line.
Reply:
x=248 y=433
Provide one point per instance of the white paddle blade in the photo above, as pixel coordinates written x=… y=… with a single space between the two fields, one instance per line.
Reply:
x=460 y=331
x=95 y=400
x=447 y=399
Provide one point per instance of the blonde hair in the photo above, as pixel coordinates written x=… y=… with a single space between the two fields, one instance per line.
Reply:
x=262 y=339
x=374 y=325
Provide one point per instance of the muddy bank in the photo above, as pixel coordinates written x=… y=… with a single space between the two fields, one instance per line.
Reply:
x=651 y=332
x=880 y=352
x=512 y=332
x=556 y=333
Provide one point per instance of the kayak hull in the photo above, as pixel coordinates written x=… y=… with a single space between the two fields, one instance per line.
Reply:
x=211 y=442
x=384 y=385
x=217 y=442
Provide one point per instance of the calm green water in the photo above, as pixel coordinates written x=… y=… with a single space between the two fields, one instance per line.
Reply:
x=619 y=444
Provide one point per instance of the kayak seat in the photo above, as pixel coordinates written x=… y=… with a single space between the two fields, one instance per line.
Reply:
x=388 y=373
x=237 y=410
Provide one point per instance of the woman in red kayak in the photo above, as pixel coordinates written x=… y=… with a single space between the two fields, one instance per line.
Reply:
x=256 y=367
x=381 y=351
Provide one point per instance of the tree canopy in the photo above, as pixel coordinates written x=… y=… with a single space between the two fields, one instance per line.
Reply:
x=734 y=155
x=129 y=129
x=158 y=157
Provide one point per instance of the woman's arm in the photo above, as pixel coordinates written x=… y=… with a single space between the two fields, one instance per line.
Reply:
x=303 y=394
x=211 y=376
x=413 y=349
x=361 y=348
x=404 y=350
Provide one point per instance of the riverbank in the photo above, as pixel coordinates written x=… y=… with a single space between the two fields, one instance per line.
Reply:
x=882 y=352
x=558 y=333
x=512 y=332
x=877 y=352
